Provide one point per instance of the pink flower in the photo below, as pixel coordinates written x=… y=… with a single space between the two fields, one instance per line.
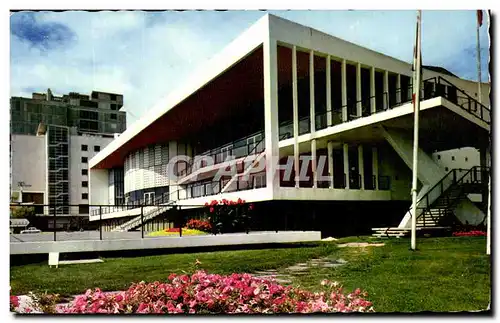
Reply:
x=14 y=300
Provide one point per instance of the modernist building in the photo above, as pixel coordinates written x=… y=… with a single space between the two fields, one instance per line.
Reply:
x=282 y=92
x=52 y=140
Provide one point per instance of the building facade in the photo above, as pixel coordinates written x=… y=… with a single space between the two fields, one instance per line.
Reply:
x=52 y=141
x=315 y=131
x=97 y=113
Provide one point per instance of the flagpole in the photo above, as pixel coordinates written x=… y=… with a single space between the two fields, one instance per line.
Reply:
x=416 y=108
x=488 y=211
x=479 y=23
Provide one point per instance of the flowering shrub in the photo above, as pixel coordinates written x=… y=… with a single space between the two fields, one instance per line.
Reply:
x=475 y=233
x=203 y=293
x=229 y=216
x=199 y=225
x=14 y=301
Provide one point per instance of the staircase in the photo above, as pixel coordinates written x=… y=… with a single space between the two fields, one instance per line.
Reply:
x=260 y=151
x=158 y=208
x=441 y=213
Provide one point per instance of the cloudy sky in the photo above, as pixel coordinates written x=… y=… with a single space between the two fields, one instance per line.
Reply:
x=145 y=55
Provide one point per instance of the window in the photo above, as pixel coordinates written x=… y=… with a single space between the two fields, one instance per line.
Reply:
x=112 y=97
x=92 y=115
x=85 y=147
x=88 y=104
x=83 y=209
x=439 y=156
x=114 y=106
x=452 y=157
x=85 y=184
x=97 y=148
x=113 y=116
x=466 y=159
x=85 y=196
x=84 y=160
x=446 y=169
x=85 y=171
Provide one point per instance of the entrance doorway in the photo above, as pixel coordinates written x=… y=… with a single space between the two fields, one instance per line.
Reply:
x=149 y=198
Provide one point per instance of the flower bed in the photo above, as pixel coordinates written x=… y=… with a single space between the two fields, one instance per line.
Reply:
x=199 y=225
x=175 y=232
x=203 y=293
x=474 y=233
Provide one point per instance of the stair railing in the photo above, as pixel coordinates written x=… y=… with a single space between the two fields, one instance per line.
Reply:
x=439 y=187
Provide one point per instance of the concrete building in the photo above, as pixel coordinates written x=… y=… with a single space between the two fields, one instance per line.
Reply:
x=98 y=113
x=49 y=161
x=317 y=130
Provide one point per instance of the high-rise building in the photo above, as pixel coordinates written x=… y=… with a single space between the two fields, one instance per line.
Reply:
x=52 y=140
x=97 y=113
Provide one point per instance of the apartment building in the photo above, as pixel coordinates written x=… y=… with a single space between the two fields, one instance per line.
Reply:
x=52 y=140
x=316 y=132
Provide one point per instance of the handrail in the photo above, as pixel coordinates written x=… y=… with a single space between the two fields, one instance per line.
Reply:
x=439 y=184
x=463 y=92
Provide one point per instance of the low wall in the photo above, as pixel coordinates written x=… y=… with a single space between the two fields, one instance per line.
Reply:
x=44 y=247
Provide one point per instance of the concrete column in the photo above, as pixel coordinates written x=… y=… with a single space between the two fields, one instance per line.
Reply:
x=373 y=103
x=330 y=162
x=346 y=164
x=271 y=112
x=359 y=105
x=295 y=117
x=361 y=168
x=344 y=90
x=173 y=187
x=375 y=165
x=398 y=88
x=311 y=92
x=386 y=89
x=329 y=120
x=314 y=163
x=313 y=117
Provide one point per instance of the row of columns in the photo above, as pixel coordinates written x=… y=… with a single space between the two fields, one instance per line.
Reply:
x=329 y=109
x=271 y=108
x=345 y=149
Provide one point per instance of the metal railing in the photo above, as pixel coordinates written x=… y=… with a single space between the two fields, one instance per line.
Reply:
x=455 y=177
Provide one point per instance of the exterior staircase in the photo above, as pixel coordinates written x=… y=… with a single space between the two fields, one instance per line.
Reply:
x=159 y=207
x=258 y=150
x=441 y=213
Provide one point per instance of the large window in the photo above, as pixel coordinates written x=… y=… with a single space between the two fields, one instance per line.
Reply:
x=85 y=184
x=85 y=147
x=83 y=209
x=84 y=160
x=89 y=104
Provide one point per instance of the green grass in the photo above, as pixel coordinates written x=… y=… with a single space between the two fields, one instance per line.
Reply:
x=445 y=274
x=119 y=273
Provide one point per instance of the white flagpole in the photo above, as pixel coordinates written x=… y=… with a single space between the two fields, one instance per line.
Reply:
x=478 y=56
x=416 y=108
x=488 y=211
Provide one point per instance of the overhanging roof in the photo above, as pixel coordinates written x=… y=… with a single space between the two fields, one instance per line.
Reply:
x=167 y=120
x=135 y=136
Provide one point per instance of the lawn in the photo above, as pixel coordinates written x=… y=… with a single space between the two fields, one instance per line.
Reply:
x=445 y=274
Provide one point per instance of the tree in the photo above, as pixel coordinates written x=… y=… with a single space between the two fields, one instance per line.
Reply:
x=20 y=212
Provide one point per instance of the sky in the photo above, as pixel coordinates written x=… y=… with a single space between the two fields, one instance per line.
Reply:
x=147 y=55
